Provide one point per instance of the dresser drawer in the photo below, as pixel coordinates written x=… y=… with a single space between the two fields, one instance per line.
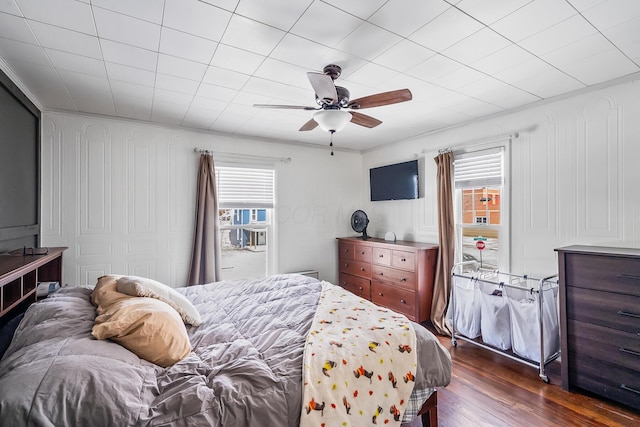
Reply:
x=616 y=311
x=404 y=260
x=600 y=343
x=356 y=268
x=614 y=274
x=382 y=256
x=362 y=253
x=397 y=299
x=608 y=380
x=356 y=285
x=404 y=279
x=346 y=250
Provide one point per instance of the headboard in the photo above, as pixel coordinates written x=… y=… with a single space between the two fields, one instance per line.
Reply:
x=19 y=168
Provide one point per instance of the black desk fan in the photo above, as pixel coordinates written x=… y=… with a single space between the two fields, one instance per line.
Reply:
x=359 y=222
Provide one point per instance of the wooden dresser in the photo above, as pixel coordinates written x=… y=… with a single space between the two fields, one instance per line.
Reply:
x=397 y=275
x=600 y=321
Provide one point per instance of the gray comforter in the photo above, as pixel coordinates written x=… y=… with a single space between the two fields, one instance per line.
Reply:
x=245 y=367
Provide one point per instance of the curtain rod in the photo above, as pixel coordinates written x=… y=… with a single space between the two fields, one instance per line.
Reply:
x=242 y=156
x=513 y=135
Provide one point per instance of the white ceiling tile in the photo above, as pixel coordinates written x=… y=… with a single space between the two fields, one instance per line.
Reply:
x=626 y=37
x=187 y=46
x=208 y=104
x=180 y=67
x=139 y=33
x=225 y=78
x=176 y=84
x=197 y=18
x=69 y=14
x=122 y=90
x=216 y=92
x=460 y=77
x=559 y=35
x=296 y=95
x=434 y=67
x=312 y=25
x=45 y=84
x=199 y=118
x=148 y=10
x=446 y=30
x=15 y=50
x=509 y=57
x=498 y=93
x=533 y=18
x=168 y=113
x=128 y=74
x=404 y=56
x=478 y=45
x=132 y=56
x=403 y=17
x=235 y=59
x=582 y=5
x=229 y=5
x=84 y=82
x=171 y=97
x=540 y=79
x=15 y=28
x=612 y=13
x=249 y=99
x=251 y=35
x=281 y=14
x=272 y=69
x=80 y=64
x=10 y=7
x=130 y=110
x=66 y=40
x=372 y=75
x=361 y=9
x=489 y=11
x=348 y=62
x=299 y=51
x=264 y=87
x=368 y=41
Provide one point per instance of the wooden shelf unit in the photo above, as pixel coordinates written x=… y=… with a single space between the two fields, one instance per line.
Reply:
x=20 y=275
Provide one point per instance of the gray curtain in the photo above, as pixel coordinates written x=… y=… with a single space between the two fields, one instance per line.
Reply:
x=446 y=240
x=205 y=257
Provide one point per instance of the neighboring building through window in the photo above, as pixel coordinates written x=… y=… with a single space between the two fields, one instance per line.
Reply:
x=480 y=212
x=246 y=201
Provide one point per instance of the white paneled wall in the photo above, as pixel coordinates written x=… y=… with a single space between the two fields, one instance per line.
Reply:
x=575 y=174
x=121 y=195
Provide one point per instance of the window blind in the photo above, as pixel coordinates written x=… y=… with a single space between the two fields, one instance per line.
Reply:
x=245 y=187
x=479 y=169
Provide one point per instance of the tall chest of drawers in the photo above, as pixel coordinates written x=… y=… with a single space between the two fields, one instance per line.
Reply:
x=397 y=275
x=600 y=321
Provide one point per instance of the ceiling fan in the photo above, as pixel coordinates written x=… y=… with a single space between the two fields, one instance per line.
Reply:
x=332 y=100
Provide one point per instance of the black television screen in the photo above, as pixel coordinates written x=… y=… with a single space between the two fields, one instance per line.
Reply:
x=394 y=182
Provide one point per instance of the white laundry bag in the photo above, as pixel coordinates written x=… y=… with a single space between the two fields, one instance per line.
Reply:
x=466 y=304
x=525 y=327
x=495 y=322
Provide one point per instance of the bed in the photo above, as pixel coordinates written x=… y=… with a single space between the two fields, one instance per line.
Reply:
x=245 y=366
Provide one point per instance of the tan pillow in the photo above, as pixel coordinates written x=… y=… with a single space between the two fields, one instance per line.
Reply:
x=106 y=293
x=147 y=327
x=143 y=287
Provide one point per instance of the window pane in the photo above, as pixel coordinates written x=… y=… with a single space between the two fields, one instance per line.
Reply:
x=489 y=255
x=243 y=240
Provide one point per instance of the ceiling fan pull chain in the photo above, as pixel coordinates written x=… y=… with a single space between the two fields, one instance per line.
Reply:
x=331 y=143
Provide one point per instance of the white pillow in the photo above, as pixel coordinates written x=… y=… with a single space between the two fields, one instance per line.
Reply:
x=143 y=287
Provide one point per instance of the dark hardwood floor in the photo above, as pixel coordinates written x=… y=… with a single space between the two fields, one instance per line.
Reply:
x=488 y=389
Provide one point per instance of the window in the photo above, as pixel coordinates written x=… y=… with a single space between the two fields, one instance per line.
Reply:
x=480 y=209
x=245 y=201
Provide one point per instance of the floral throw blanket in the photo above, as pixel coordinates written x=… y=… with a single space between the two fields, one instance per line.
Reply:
x=359 y=363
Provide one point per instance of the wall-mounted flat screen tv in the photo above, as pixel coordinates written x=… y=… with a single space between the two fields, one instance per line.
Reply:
x=394 y=182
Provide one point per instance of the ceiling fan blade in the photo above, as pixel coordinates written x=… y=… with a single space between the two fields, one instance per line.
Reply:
x=324 y=87
x=288 y=107
x=364 y=120
x=310 y=125
x=380 y=99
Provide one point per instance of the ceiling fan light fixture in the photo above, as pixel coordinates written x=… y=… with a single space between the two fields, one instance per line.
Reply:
x=332 y=120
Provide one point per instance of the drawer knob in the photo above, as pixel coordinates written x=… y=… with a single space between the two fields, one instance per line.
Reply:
x=403 y=259
x=346 y=265
x=362 y=269
x=362 y=253
x=403 y=301
x=381 y=273
x=624 y=387
x=380 y=256
x=361 y=288
x=403 y=280
x=380 y=293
